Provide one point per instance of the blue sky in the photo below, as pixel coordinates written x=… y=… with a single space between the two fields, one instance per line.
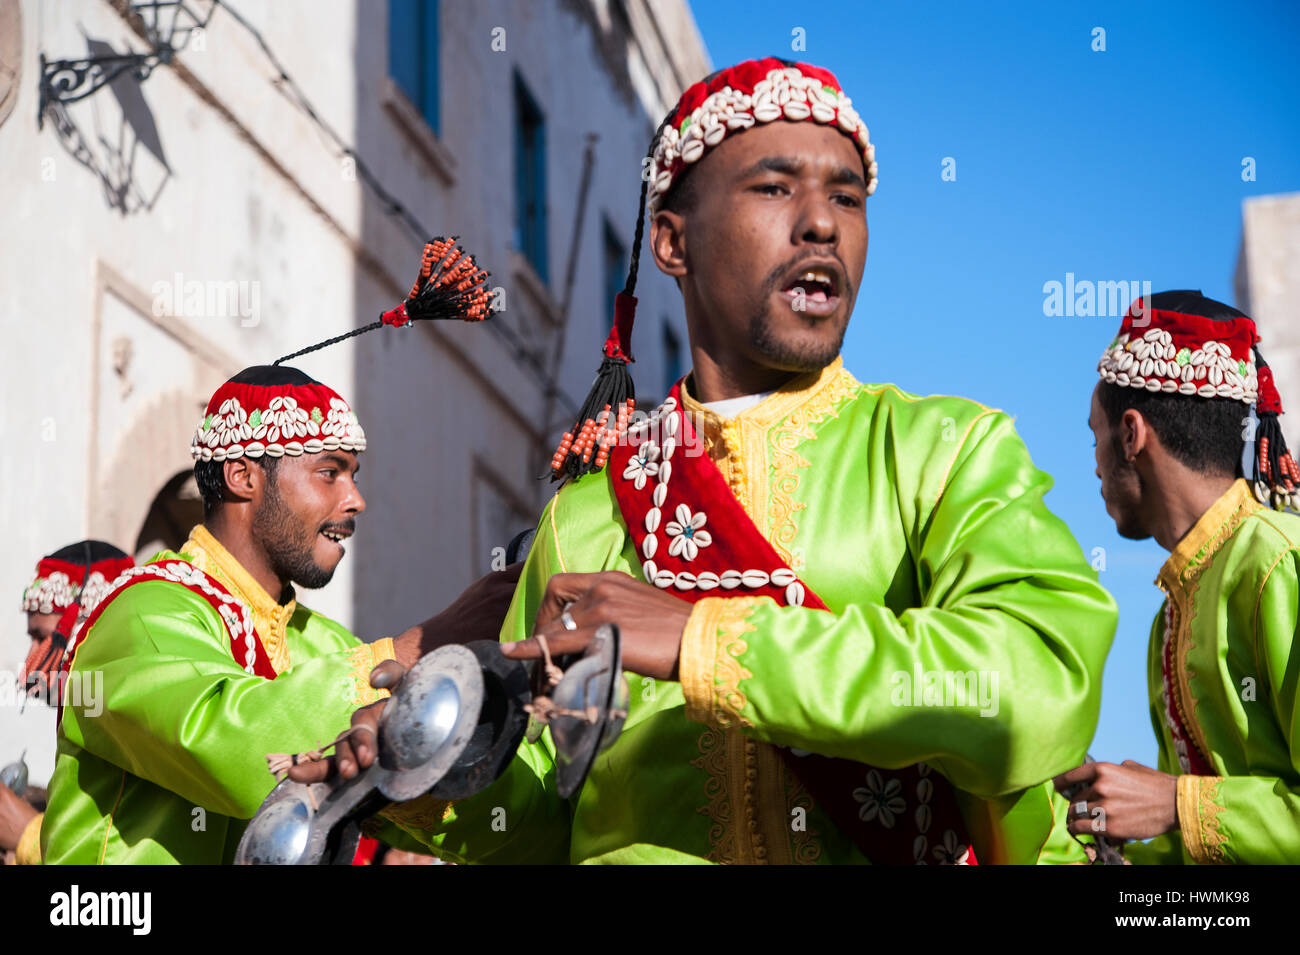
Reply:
x=1117 y=165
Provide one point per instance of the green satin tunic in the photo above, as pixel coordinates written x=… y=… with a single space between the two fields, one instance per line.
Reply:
x=162 y=746
x=921 y=523
x=1231 y=614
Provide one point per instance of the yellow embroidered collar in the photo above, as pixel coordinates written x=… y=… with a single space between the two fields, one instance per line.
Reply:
x=270 y=618
x=1195 y=551
x=776 y=406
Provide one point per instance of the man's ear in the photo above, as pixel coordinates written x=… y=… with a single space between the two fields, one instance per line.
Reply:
x=243 y=479
x=668 y=243
x=1135 y=434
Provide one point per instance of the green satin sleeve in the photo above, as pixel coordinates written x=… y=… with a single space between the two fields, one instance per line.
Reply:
x=1254 y=818
x=1011 y=632
x=159 y=694
x=519 y=819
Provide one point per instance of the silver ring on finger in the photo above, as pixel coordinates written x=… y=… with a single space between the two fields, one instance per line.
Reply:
x=567 y=621
x=1081 y=808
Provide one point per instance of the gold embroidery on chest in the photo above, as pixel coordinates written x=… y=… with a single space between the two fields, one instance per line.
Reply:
x=805 y=848
x=713 y=760
x=1189 y=579
x=787 y=463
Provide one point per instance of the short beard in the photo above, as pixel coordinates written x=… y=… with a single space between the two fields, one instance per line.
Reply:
x=287 y=544
x=765 y=342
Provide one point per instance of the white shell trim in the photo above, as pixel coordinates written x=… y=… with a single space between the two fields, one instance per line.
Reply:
x=784 y=94
x=229 y=434
x=236 y=615
x=1150 y=362
x=47 y=594
x=684 y=518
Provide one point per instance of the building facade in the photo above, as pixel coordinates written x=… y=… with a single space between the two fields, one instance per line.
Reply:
x=1267 y=288
x=163 y=234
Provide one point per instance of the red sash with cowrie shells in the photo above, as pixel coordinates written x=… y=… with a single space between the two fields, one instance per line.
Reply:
x=696 y=541
x=245 y=644
x=1190 y=759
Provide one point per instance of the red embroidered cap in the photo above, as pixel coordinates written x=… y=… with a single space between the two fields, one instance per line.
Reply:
x=297 y=416
x=739 y=97
x=1182 y=343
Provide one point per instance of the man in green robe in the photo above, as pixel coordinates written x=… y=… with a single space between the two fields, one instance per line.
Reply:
x=837 y=569
x=1183 y=388
x=199 y=663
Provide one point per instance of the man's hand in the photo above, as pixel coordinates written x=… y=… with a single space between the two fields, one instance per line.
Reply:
x=1136 y=802
x=360 y=749
x=650 y=621
x=477 y=614
x=15 y=813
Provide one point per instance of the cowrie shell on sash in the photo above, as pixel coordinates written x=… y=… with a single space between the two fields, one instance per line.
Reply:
x=754 y=578
x=670 y=425
x=685 y=581
x=660 y=494
x=650 y=568
x=668 y=447
x=729 y=579
x=664 y=579
x=707 y=580
x=649 y=545
x=923 y=816
x=794 y=594
x=783 y=576
x=665 y=472
x=652 y=517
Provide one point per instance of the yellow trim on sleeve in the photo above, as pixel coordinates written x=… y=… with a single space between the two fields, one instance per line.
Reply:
x=709 y=664
x=29 y=844
x=1198 y=817
x=365 y=658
